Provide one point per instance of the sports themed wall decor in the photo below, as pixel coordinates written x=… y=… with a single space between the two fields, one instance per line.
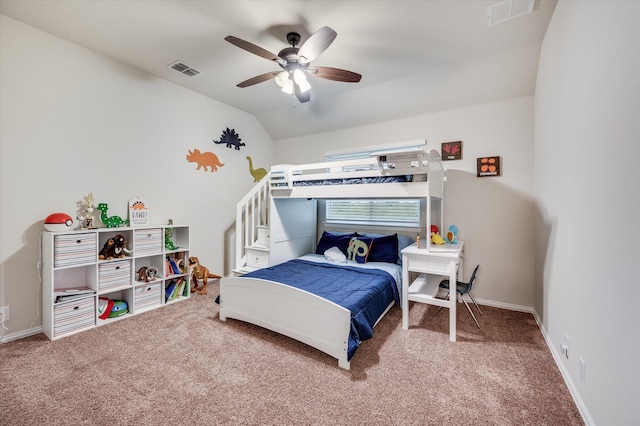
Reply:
x=452 y=150
x=488 y=166
x=231 y=138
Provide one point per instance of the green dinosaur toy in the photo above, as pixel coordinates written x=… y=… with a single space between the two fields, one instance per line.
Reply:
x=110 y=221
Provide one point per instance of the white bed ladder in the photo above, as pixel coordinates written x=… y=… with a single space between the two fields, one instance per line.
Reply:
x=252 y=226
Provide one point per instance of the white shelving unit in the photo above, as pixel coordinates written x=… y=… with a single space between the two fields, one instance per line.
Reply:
x=74 y=278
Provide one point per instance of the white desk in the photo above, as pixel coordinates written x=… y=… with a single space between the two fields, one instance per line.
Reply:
x=433 y=265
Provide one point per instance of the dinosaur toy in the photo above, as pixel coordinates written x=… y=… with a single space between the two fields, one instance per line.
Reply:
x=204 y=159
x=231 y=138
x=112 y=221
x=168 y=242
x=257 y=174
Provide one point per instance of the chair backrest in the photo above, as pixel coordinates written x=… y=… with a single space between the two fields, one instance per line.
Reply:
x=472 y=279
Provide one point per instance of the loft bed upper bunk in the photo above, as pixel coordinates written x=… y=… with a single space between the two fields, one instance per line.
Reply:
x=410 y=172
x=285 y=295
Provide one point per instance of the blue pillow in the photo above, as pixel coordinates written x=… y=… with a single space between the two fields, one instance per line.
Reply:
x=384 y=249
x=359 y=249
x=388 y=242
x=333 y=239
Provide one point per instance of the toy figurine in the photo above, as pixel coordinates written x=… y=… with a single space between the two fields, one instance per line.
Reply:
x=168 y=243
x=452 y=235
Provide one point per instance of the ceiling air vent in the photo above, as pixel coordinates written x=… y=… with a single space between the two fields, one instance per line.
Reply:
x=508 y=9
x=184 y=69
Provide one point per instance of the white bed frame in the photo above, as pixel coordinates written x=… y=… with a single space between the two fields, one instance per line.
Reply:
x=299 y=314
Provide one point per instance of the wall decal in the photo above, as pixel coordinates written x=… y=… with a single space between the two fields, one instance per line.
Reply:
x=452 y=150
x=231 y=138
x=488 y=166
x=204 y=160
x=257 y=174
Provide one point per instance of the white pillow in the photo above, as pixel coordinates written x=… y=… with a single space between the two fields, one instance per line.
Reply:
x=335 y=255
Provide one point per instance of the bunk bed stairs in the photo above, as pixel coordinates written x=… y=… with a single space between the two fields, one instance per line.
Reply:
x=252 y=229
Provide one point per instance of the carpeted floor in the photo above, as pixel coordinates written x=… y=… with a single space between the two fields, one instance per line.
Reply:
x=182 y=365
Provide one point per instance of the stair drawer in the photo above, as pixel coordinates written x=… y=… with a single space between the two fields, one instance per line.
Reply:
x=74 y=249
x=257 y=258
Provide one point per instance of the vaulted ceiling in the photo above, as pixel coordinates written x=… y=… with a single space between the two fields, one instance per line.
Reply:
x=415 y=56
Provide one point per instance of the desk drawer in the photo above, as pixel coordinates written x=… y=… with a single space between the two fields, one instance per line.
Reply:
x=74 y=249
x=430 y=264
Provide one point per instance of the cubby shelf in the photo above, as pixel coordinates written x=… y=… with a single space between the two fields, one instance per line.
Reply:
x=75 y=278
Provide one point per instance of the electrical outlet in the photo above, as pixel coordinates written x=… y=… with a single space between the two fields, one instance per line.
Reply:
x=582 y=370
x=5 y=313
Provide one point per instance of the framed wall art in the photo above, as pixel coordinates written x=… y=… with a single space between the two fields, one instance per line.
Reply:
x=488 y=166
x=452 y=150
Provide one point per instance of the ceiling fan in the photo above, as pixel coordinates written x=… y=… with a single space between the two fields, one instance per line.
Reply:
x=296 y=63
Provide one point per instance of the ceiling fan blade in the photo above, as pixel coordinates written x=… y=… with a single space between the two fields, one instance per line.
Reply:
x=252 y=48
x=257 y=79
x=335 y=74
x=316 y=44
x=302 y=97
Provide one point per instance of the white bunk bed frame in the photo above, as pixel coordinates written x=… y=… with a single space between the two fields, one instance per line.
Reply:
x=299 y=314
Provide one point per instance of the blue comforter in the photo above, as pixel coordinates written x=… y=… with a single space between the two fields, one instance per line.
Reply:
x=366 y=293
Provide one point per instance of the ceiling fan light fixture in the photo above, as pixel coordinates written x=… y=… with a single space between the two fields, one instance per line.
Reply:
x=282 y=78
x=288 y=87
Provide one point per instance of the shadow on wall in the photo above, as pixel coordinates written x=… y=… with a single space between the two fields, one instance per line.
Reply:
x=544 y=254
x=497 y=224
x=22 y=289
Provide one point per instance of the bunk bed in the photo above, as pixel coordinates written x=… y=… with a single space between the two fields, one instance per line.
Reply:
x=280 y=298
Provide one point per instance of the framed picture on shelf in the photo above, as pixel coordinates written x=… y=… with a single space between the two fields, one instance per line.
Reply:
x=452 y=150
x=488 y=166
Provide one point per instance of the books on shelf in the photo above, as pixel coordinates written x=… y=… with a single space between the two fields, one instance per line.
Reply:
x=175 y=289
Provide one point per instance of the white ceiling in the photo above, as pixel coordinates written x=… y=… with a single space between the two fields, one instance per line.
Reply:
x=416 y=57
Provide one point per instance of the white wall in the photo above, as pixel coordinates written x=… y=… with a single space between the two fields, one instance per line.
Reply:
x=75 y=122
x=587 y=157
x=495 y=215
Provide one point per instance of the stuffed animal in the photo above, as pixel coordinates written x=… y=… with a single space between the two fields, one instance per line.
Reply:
x=108 y=250
x=200 y=273
x=452 y=235
x=436 y=239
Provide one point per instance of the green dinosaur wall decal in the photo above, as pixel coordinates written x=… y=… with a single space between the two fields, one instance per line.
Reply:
x=257 y=174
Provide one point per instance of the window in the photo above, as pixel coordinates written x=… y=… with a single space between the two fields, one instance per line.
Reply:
x=396 y=212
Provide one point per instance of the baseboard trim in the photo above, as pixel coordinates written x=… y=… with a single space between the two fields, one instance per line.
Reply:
x=557 y=357
x=20 y=334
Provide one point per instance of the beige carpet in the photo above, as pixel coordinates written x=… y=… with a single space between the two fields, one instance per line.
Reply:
x=181 y=365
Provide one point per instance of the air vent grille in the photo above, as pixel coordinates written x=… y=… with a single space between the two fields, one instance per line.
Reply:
x=508 y=9
x=184 y=69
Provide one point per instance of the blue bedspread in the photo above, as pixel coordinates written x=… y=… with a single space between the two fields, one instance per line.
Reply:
x=364 y=292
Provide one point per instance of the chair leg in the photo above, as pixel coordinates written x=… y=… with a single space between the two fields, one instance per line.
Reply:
x=470 y=311
x=474 y=302
x=440 y=307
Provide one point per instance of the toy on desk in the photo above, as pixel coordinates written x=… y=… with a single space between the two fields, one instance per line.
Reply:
x=200 y=273
x=452 y=235
x=437 y=239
